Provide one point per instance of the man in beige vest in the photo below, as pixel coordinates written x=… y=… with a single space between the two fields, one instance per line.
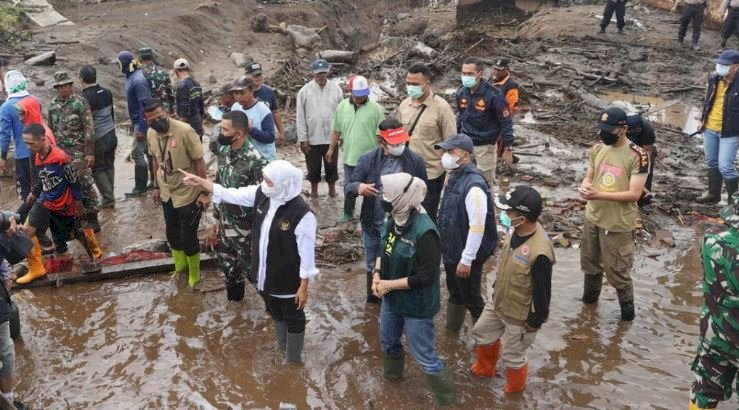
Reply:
x=520 y=304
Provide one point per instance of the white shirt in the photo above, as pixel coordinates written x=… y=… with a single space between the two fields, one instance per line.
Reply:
x=476 y=205
x=316 y=107
x=305 y=231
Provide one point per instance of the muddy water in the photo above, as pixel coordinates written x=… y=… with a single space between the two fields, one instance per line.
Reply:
x=152 y=343
x=681 y=115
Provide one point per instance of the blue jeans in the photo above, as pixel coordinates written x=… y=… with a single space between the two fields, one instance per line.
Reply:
x=139 y=153
x=721 y=153
x=371 y=247
x=418 y=332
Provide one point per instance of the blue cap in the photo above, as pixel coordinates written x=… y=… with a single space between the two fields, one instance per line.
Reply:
x=457 y=141
x=320 y=66
x=728 y=57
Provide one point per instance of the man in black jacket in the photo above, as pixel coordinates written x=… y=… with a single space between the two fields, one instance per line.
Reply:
x=467 y=227
x=8 y=228
x=720 y=127
x=392 y=156
x=106 y=141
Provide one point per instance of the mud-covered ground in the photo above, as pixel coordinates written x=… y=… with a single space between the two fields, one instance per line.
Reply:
x=150 y=342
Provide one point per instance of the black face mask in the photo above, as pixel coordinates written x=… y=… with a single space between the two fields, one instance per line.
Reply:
x=160 y=125
x=387 y=206
x=225 y=139
x=608 y=138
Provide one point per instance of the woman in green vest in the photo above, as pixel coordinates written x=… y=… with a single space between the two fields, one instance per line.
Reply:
x=406 y=277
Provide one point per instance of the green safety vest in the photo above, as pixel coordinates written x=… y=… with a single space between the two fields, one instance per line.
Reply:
x=398 y=255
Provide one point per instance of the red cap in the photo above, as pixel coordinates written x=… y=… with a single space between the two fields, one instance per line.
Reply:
x=395 y=136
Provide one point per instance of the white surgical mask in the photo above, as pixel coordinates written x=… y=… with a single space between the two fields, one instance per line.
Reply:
x=269 y=191
x=449 y=161
x=396 y=150
x=722 y=70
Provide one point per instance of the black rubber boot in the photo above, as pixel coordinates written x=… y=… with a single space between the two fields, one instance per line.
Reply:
x=455 y=315
x=105 y=187
x=591 y=289
x=713 y=196
x=294 y=347
x=141 y=175
x=392 y=366
x=723 y=44
x=731 y=186
x=626 y=301
x=280 y=334
x=371 y=298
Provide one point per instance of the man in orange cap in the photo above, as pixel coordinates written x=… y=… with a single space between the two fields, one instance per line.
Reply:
x=392 y=156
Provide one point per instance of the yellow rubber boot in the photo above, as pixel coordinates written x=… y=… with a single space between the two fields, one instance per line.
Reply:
x=36 y=267
x=92 y=242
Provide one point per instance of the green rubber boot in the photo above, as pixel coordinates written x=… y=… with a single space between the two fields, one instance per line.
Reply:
x=348 y=215
x=392 y=366
x=180 y=262
x=443 y=387
x=455 y=317
x=193 y=262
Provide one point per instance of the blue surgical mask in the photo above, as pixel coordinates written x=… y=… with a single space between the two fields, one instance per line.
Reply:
x=414 y=91
x=723 y=70
x=469 y=81
x=505 y=220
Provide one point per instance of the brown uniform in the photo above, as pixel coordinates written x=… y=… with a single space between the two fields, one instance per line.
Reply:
x=608 y=234
x=503 y=318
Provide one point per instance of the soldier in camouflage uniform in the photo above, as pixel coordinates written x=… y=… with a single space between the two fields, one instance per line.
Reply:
x=159 y=81
x=160 y=86
x=239 y=165
x=70 y=120
x=717 y=362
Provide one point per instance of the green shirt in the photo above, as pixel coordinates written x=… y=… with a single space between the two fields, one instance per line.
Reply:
x=358 y=128
x=612 y=171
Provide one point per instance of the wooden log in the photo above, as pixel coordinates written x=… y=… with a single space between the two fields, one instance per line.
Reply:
x=110 y=272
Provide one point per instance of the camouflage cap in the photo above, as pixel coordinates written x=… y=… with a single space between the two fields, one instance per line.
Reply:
x=61 y=78
x=730 y=213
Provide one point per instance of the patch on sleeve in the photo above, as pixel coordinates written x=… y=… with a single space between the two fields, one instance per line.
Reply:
x=643 y=158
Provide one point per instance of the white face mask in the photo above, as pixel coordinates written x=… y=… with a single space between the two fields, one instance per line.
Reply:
x=396 y=150
x=269 y=191
x=722 y=70
x=449 y=161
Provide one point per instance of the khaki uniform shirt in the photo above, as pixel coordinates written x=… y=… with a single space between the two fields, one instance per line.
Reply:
x=612 y=171
x=177 y=149
x=513 y=297
x=435 y=124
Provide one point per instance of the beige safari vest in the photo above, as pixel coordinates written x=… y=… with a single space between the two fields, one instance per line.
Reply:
x=513 y=288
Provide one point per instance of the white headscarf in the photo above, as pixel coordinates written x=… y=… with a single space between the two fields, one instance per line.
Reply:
x=406 y=193
x=287 y=180
x=16 y=84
